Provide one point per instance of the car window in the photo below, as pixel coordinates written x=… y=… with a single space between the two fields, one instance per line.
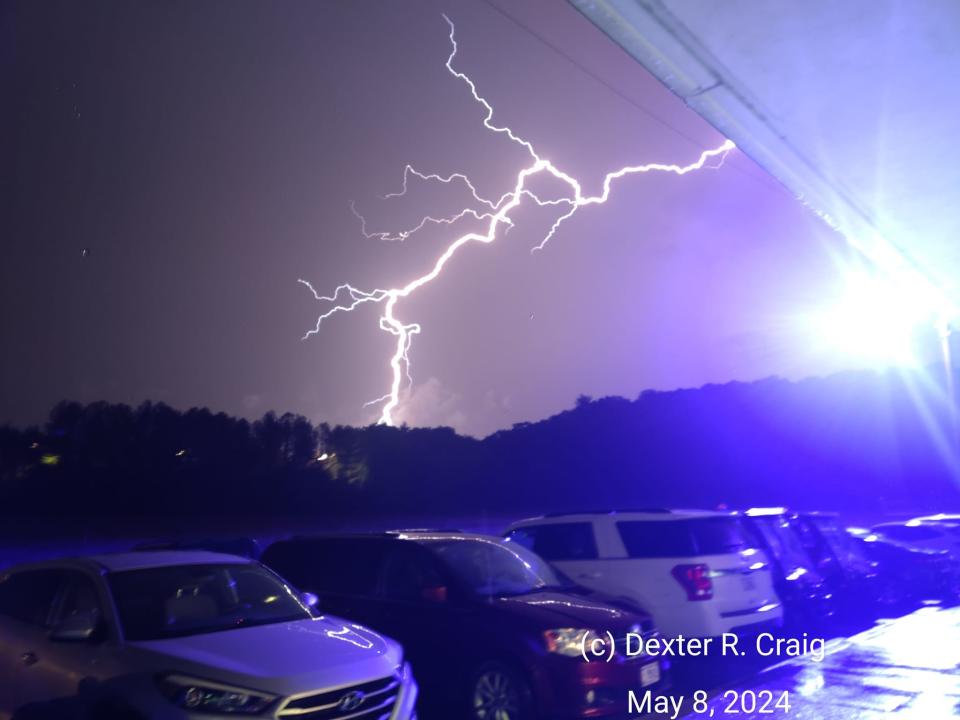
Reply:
x=348 y=567
x=524 y=536
x=80 y=596
x=179 y=600
x=811 y=540
x=682 y=538
x=495 y=567
x=290 y=560
x=910 y=533
x=339 y=566
x=406 y=574
x=782 y=539
x=840 y=542
x=565 y=541
x=644 y=539
x=28 y=596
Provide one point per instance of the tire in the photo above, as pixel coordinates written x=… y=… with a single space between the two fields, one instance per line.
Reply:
x=498 y=691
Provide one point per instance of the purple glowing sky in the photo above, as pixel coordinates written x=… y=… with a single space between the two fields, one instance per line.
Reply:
x=206 y=155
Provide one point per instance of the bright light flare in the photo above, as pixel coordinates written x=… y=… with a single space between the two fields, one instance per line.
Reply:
x=881 y=320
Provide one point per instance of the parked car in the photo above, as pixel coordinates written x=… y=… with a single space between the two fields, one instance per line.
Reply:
x=490 y=630
x=934 y=532
x=918 y=574
x=853 y=578
x=808 y=602
x=185 y=635
x=696 y=572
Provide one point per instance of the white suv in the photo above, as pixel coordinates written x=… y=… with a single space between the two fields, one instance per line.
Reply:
x=694 y=571
x=185 y=635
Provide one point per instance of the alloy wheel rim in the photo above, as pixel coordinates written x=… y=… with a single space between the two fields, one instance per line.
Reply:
x=495 y=697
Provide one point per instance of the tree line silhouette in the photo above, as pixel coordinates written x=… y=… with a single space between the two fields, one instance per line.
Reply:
x=858 y=441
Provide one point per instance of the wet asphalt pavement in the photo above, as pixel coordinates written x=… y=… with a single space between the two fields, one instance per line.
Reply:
x=903 y=668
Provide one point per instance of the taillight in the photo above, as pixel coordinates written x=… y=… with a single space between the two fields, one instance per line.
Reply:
x=695 y=579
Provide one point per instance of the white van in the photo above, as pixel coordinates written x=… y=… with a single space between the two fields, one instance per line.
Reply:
x=695 y=571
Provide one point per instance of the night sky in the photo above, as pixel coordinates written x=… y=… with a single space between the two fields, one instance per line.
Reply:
x=170 y=169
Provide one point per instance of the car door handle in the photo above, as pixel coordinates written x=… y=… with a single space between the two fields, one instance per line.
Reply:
x=589 y=576
x=29 y=658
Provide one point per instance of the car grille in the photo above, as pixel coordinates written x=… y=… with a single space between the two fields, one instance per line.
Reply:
x=369 y=701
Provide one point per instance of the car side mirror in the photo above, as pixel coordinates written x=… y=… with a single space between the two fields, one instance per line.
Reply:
x=311 y=600
x=434 y=594
x=81 y=626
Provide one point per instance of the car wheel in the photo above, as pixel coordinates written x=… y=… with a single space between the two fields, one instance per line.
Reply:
x=499 y=692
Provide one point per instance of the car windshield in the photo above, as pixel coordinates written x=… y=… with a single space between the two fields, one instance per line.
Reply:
x=843 y=546
x=783 y=541
x=492 y=568
x=179 y=600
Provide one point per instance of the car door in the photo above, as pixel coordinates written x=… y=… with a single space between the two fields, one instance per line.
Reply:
x=418 y=607
x=26 y=616
x=61 y=665
x=344 y=574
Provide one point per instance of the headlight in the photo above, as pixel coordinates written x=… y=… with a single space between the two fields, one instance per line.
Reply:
x=210 y=697
x=567 y=641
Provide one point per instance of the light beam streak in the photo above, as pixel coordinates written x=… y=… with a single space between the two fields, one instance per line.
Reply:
x=347 y=298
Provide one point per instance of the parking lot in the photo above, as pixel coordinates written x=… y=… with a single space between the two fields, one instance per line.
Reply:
x=907 y=667
x=896 y=652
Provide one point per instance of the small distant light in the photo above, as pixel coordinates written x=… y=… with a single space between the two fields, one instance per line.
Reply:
x=50 y=459
x=34 y=446
x=271 y=598
x=322 y=456
x=181 y=453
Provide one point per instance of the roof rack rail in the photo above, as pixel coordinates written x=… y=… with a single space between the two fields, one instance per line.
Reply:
x=611 y=511
x=396 y=531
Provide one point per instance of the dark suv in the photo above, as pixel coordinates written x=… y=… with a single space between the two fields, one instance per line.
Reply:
x=807 y=599
x=852 y=576
x=492 y=632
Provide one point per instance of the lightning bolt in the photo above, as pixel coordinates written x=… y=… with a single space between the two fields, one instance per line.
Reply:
x=493 y=212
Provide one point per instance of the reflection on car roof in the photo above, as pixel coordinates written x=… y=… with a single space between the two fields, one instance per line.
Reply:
x=143 y=560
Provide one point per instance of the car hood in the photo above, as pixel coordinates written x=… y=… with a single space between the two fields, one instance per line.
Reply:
x=561 y=609
x=282 y=658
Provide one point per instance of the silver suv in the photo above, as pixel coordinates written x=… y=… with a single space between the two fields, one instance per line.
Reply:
x=185 y=635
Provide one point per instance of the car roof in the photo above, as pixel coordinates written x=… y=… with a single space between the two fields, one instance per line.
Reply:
x=904 y=523
x=161 y=558
x=416 y=534
x=765 y=511
x=941 y=517
x=654 y=515
x=144 y=560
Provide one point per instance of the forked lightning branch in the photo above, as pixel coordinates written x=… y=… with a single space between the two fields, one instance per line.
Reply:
x=494 y=213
